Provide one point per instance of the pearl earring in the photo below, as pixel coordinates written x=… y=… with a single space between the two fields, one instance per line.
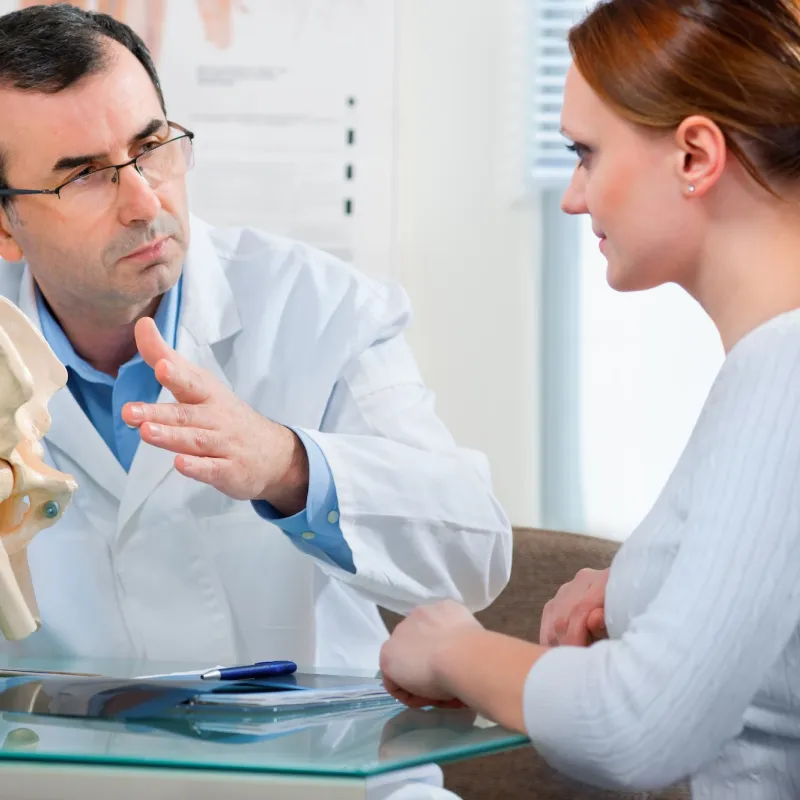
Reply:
x=691 y=188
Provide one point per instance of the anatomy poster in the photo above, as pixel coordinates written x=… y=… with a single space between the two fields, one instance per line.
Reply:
x=292 y=104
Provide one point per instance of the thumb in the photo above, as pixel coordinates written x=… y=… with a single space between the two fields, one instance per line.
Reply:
x=150 y=343
x=596 y=623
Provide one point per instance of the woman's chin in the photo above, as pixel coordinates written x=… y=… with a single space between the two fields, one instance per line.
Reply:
x=626 y=278
x=616 y=277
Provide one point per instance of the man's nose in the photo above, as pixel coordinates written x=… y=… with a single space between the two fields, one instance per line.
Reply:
x=137 y=201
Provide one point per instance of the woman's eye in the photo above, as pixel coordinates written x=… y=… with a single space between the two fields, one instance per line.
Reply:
x=581 y=151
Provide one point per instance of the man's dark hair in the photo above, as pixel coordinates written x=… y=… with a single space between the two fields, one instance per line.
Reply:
x=49 y=48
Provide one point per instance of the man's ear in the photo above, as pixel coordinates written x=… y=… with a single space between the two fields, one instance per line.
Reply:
x=9 y=248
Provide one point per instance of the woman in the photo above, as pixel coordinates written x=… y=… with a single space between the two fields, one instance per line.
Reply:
x=685 y=116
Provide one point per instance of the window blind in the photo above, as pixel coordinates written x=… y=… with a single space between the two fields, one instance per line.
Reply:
x=552 y=162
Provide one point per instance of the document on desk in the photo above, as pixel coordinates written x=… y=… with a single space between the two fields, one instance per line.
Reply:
x=298 y=698
x=299 y=690
x=140 y=698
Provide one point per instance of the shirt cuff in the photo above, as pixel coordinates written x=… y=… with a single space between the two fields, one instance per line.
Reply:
x=315 y=530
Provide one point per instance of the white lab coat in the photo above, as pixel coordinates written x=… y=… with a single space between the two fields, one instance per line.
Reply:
x=152 y=565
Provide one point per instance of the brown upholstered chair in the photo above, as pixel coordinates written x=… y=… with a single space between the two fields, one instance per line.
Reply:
x=543 y=560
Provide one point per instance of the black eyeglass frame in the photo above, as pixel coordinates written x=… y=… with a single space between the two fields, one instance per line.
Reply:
x=185 y=134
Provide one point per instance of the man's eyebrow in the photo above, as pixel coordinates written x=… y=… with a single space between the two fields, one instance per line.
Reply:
x=71 y=162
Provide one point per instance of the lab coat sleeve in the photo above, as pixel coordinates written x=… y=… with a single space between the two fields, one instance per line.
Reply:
x=417 y=512
x=314 y=530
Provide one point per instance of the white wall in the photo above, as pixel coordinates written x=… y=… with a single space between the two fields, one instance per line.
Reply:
x=467 y=232
x=647 y=361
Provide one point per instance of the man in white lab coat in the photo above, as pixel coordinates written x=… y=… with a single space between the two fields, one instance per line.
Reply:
x=291 y=472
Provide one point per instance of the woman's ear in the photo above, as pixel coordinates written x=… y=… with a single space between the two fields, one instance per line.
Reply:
x=9 y=248
x=702 y=155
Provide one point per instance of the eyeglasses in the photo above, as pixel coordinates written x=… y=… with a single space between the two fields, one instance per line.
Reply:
x=93 y=188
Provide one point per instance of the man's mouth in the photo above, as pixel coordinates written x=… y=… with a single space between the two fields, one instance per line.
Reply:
x=149 y=250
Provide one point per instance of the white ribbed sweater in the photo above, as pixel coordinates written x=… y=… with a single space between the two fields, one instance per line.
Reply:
x=701 y=675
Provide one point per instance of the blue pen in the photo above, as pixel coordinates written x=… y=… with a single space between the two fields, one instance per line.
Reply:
x=261 y=669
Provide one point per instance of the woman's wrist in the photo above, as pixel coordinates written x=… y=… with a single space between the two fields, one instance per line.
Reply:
x=453 y=659
x=486 y=671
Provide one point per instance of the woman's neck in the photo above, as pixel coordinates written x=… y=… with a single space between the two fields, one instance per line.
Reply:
x=750 y=273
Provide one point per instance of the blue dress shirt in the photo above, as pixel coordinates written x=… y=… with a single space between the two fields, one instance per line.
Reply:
x=314 y=530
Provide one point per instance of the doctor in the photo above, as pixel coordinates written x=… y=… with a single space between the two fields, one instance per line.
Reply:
x=258 y=460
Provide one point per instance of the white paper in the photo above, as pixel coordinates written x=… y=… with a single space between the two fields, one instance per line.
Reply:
x=301 y=699
x=351 y=693
x=195 y=673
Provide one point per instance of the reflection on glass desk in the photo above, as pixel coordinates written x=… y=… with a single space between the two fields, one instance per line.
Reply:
x=354 y=743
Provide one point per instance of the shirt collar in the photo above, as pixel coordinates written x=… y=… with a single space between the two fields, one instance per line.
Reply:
x=166 y=319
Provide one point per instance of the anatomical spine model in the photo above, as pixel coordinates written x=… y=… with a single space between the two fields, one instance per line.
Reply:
x=33 y=496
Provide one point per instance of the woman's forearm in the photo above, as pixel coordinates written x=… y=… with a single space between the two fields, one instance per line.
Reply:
x=487 y=671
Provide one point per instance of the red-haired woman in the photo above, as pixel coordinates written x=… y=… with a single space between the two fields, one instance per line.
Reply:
x=685 y=115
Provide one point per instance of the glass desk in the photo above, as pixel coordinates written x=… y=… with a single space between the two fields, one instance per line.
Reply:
x=203 y=753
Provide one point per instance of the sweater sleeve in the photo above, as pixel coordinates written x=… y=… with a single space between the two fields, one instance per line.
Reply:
x=654 y=706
